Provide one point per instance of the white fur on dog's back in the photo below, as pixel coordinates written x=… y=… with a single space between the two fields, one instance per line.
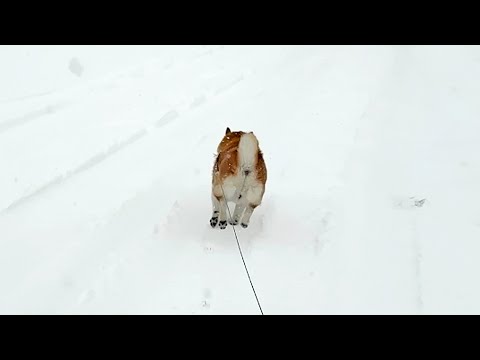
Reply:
x=247 y=151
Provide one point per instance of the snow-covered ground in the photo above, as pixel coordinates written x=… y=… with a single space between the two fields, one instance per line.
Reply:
x=372 y=203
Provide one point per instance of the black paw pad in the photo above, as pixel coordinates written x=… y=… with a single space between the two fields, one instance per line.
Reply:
x=233 y=222
x=244 y=225
x=222 y=224
x=214 y=221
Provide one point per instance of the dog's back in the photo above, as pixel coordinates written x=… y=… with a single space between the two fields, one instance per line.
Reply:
x=239 y=175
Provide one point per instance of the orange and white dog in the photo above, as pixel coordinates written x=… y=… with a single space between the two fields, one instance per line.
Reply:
x=239 y=176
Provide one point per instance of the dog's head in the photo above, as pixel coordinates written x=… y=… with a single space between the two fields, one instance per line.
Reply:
x=230 y=140
x=228 y=131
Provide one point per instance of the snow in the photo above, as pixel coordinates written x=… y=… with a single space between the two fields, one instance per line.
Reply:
x=371 y=206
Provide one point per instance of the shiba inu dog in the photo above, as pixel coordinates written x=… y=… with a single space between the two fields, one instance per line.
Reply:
x=239 y=176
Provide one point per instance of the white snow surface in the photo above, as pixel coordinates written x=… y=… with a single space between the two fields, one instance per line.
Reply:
x=372 y=204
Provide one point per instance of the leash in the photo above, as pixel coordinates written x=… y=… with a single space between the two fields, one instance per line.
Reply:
x=238 y=244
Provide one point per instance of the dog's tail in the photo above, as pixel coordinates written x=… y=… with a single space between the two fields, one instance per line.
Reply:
x=248 y=152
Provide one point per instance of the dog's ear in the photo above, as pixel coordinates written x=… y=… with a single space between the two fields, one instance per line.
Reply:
x=228 y=131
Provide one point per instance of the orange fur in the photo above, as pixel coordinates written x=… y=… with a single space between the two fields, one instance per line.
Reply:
x=226 y=162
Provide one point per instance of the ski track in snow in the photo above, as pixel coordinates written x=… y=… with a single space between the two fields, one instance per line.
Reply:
x=27 y=97
x=99 y=157
x=93 y=161
x=37 y=114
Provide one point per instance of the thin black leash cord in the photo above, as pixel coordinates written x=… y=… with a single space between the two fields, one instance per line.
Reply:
x=239 y=248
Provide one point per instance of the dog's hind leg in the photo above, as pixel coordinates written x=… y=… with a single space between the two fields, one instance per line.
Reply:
x=219 y=215
x=222 y=224
x=246 y=216
x=237 y=214
x=216 y=211
x=254 y=197
x=240 y=206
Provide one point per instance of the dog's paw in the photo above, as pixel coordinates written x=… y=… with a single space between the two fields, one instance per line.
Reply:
x=213 y=221
x=222 y=224
x=233 y=222
x=244 y=225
